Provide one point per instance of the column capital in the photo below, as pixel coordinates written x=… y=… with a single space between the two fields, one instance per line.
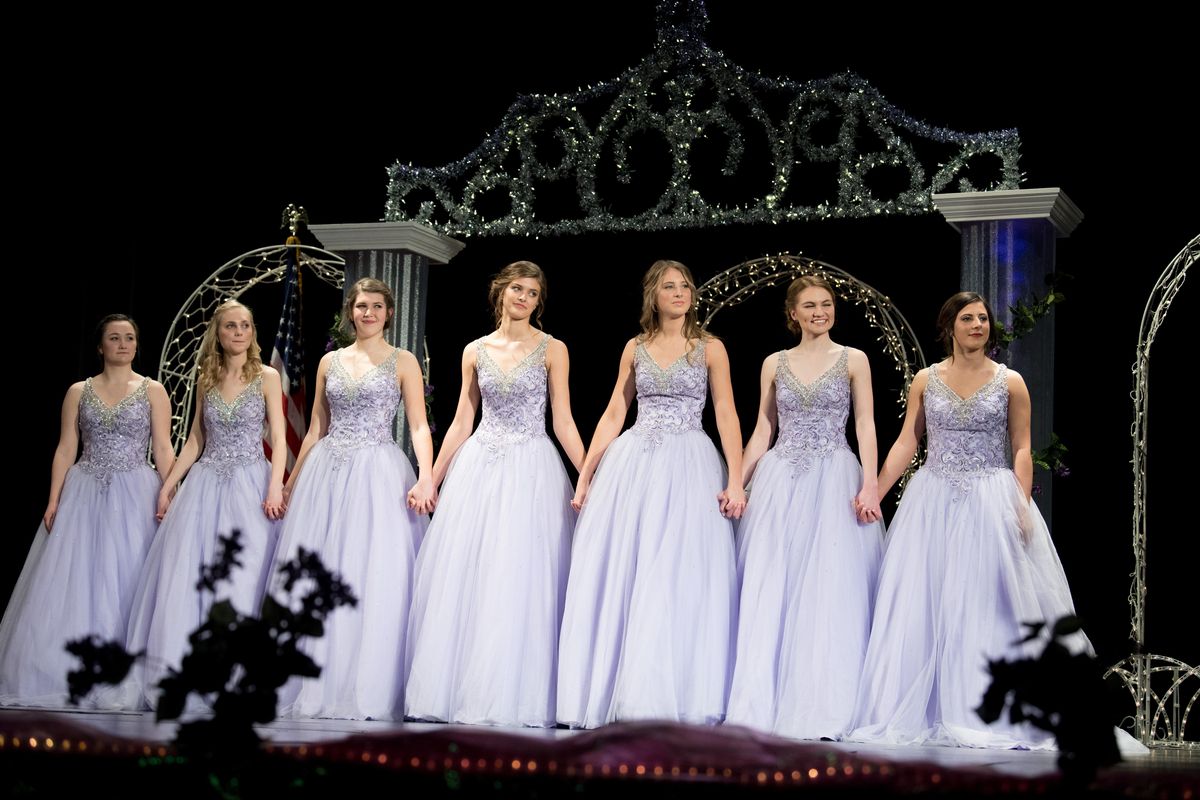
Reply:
x=1051 y=204
x=411 y=237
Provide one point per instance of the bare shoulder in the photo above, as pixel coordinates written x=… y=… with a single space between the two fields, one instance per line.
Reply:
x=921 y=379
x=857 y=358
x=470 y=355
x=406 y=360
x=771 y=363
x=555 y=347
x=157 y=394
x=1015 y=382
x=270 y=375
x=714 y=346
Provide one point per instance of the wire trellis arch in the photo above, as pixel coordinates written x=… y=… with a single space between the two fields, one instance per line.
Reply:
x=177 y=364
x=1160 y=716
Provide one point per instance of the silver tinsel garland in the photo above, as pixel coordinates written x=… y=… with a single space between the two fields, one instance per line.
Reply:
x=685 y=92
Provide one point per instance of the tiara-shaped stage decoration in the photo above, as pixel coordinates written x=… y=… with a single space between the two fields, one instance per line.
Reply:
x=688 y=139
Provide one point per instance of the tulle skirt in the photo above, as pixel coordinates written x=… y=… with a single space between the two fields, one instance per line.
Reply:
x=77 y=580
x=807 y=572
x=167 y=606
x=650 y=619
x=958 y=579
x=491 y=581
x=351 y=509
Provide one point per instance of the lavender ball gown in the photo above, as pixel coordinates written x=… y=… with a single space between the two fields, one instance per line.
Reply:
x=349 y=505
x=807 y=569
x=492 y=572
x=224 y=490
x=957 y=581
x=80 y=579
x=649 y=624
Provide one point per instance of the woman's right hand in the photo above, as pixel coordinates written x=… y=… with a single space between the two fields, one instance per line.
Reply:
x=164 y=502
x=48 y=517
x=581 y=491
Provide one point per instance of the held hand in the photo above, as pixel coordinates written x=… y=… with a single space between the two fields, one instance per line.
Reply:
x=422 y=497
x=48 y=517
x=581 y=491
x=732 y=501
x=866 y=507
x=274 y=506
x=164 y=502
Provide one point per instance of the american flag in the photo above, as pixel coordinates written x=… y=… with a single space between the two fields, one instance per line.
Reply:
x=288 y=357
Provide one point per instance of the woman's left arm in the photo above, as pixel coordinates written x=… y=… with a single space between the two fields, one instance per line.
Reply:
x=866 y=504
x=422 y=497
x=1018 y=432
x=272 y=389
x=160 y=429
x=733 y=499
x=558 y=368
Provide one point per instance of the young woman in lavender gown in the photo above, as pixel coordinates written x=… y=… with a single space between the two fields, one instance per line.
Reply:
x=354 y=500
x=492 y=572
x=230 y=486
x=807 y=560
x=650 y=617
x=969 y=558
x=82 y=569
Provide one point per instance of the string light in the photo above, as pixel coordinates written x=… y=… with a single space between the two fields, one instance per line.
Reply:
x=684 y=93
x=1159 y=716
x=741 y=281
x=177 y=364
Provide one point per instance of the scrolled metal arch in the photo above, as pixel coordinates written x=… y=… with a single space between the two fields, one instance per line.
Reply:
x=740 y=282
x=177 y=363
x=1137 y=679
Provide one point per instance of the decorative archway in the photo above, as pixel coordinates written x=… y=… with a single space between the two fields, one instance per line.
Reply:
x=177 y=364
x=1157 y=684
x=830 y=138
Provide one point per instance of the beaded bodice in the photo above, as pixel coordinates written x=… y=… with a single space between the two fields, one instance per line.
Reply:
x=514 y=402
x=361 y=410
x=812 y=416
x=967 y=436
x=669 y=400
x=233 y=431
x=115 y=438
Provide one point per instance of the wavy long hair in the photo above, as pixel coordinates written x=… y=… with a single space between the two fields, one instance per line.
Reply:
x=515 y=271
x=651 y=325
x=210 y=362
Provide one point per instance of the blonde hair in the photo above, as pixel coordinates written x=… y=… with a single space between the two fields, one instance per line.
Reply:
x=210 y=362
x=793 y=294
x=369 y=286
x=515 y=270
x=650 y=321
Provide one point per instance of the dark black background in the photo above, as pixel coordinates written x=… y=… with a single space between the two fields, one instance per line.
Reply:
x=149 y=152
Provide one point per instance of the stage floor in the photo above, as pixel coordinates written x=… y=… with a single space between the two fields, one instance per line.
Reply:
x=640 y=749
